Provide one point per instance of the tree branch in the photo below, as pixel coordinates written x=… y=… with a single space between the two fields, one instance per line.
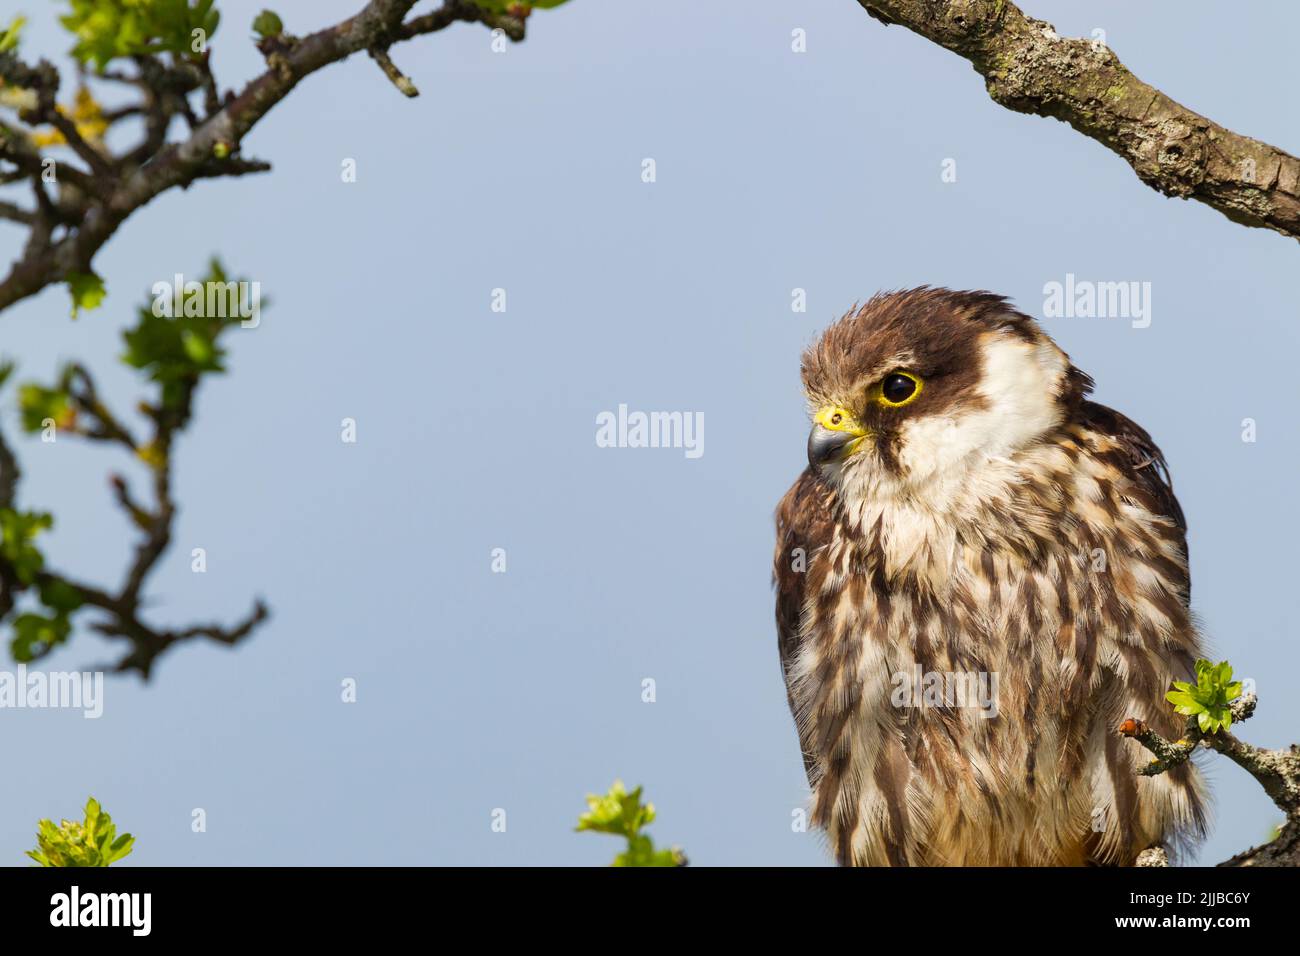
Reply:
x=119 y=610
x=15 y=213
x=1028 y=68
x=1278 y=772
x=116 y=188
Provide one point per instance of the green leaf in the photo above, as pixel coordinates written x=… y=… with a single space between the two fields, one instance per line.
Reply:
x=268 y=24
x=1184 y=702
x=120 y=847
x=9 y=39
x=18 y=531
x=198 y=349
x=59 y=595
x=87 y=291
x=39 y=405
x=176 y=350
x=35 y=635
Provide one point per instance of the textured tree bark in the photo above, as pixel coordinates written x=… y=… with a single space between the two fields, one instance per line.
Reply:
x=1283 y=850
x=1028 y=68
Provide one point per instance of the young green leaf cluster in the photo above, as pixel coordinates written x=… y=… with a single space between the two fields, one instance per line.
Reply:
x=108 y=29
x=1210 y=699
x=621 y=813
x=93 y=842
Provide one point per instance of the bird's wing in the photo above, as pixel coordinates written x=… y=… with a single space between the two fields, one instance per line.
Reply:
x=1144 y=463
x=1180 y=790
x=803 y=529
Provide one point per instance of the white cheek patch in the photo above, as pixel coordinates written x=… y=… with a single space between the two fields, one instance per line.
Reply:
x=1020 y=383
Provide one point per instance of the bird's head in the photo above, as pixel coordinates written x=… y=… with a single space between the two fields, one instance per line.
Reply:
x=928 y=384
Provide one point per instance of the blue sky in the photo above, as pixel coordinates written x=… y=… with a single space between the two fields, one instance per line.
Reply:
x=476 y=429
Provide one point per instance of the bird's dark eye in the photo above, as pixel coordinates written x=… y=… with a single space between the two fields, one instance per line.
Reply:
x=898 y=388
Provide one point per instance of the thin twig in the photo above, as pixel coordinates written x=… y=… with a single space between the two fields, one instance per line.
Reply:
x=395 y=76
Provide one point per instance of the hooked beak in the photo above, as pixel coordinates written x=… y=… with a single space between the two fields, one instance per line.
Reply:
x=826 y=445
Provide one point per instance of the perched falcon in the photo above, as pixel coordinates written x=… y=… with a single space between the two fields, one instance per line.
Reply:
x=979 y=576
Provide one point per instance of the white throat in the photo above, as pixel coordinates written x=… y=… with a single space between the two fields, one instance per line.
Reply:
x=954 y=466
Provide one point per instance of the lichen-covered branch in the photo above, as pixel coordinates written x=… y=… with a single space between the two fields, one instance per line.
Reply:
x=1278 y=772
x=1027 y=67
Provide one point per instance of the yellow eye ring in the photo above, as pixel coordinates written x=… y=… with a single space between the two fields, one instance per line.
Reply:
x=897 y=384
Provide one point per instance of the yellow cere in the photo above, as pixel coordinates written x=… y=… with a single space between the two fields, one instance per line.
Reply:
x=838 y=420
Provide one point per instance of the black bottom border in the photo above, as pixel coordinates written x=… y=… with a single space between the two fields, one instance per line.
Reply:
x=923 y=907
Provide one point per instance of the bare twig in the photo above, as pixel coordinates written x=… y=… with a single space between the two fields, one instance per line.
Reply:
x=103 y=426
x=395 y=76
